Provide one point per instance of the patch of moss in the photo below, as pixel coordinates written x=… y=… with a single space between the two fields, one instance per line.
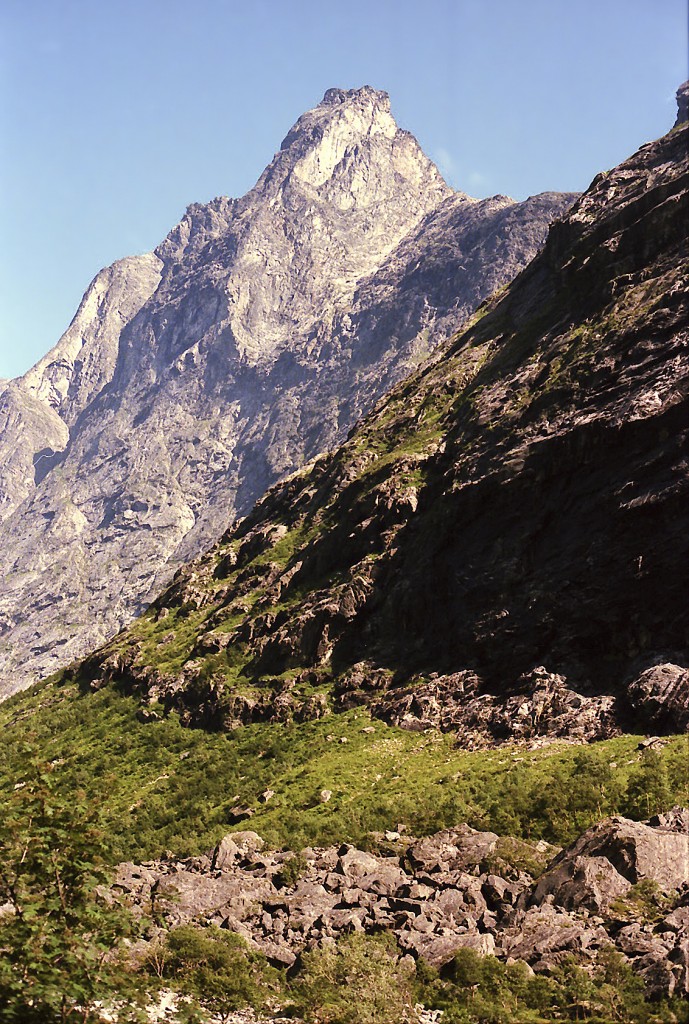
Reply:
x=645 y=902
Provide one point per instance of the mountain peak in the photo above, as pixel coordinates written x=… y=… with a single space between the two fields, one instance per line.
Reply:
x=349 y=128
x=253 y=338
x=348 y=114
x=334 y=97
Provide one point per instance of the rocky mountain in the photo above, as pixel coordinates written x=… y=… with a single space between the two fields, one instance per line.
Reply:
x=500 y=547
x=252 y=339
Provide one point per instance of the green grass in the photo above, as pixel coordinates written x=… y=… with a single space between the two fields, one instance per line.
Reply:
x=164 y=786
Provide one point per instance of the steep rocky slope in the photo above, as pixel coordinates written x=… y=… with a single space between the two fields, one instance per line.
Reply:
x=253 y=338
x=500 y=548
x=38 y=409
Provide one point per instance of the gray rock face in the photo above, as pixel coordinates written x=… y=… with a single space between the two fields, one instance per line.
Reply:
x=252 y=339
x=636 y=850
x=38 y=410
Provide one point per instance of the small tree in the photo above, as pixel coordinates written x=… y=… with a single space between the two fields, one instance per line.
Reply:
x=215 y=969
x=60 y=931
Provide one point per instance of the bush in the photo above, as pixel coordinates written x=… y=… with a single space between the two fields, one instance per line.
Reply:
x=291 y=871
x=645 y=902
x=482 y=990
x=215 y=969
x=360 y=980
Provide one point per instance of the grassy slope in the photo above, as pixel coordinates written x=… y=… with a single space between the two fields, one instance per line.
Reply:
x=168 y=787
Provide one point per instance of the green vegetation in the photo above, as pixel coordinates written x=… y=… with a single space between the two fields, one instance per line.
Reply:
x=482 y=990
x=164 y=786
x=359 y=980
x=291 y=871
x=213 y=971
x=120 y=788
x=645 y=902
x=61 y=939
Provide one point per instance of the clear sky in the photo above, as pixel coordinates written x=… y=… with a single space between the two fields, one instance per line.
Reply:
x=115 y=115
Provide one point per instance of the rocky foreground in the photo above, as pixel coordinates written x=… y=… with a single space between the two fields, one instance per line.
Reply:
x=623 y=883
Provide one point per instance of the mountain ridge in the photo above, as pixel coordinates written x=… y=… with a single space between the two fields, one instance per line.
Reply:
x=497 y=547
x=116 y=472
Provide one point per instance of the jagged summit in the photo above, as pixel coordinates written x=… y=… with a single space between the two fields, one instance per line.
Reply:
x=347 y=153
x=335 y=96
x=346 y=112
x=346 y=137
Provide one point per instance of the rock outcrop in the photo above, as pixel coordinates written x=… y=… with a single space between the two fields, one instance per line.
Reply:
x=542 y=709
x=500 y=547
x=253 y=338
x=443 y=893
x=682 y=104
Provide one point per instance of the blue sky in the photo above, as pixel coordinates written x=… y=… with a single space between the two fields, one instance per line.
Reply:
x=115 y=116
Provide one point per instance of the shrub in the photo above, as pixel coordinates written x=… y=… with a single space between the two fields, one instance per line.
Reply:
x=215 y=969
x=360 y=980
x=291 y=871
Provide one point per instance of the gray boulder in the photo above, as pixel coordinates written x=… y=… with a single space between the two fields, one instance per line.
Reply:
x=660 y=697
x=581 y=883
x=634 y=850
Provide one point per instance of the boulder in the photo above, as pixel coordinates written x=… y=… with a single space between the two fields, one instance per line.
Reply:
x=545 y=935
x=542 y=708
x=355 y=864
x=455 y=849
x=636 y=850
x=134 y=879
x=384 y=880
x=234 y=847
x=660 y=697
x=438 y=950
x=581 y=883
